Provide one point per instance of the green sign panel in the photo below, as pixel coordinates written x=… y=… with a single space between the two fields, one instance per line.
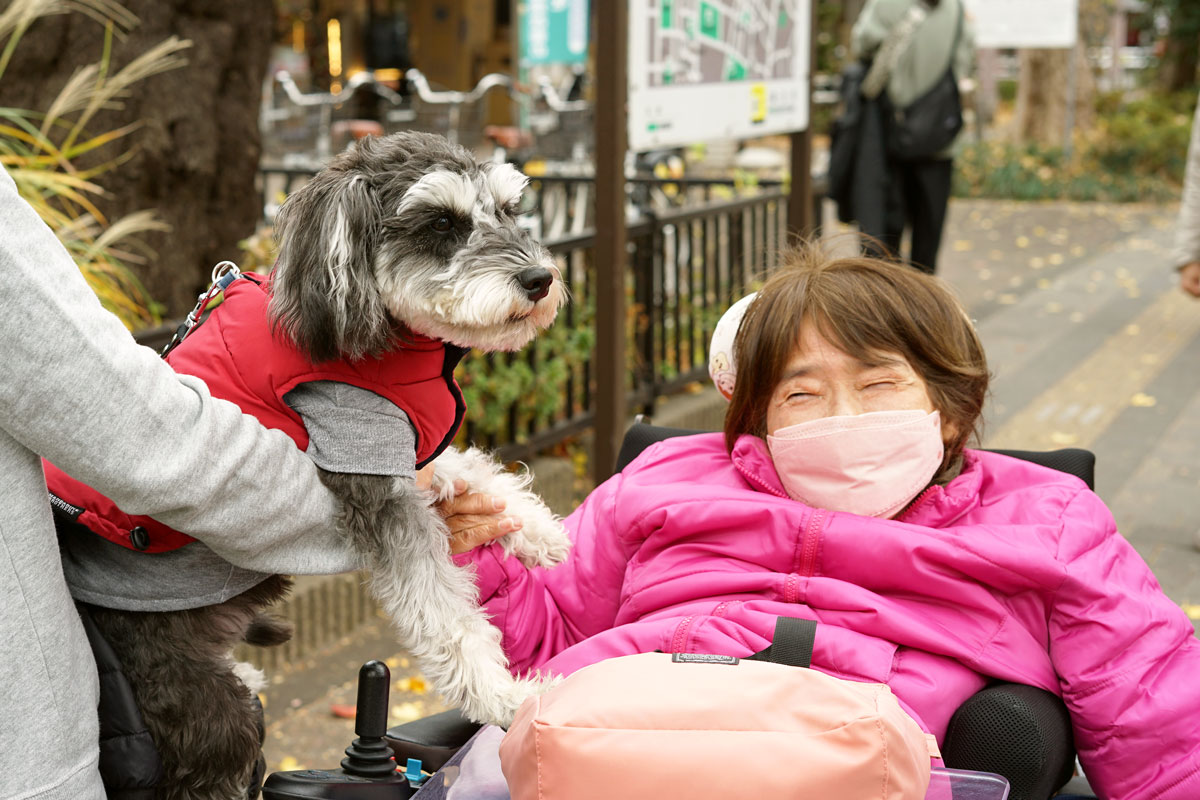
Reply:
x=710 y=21
x=554 y=31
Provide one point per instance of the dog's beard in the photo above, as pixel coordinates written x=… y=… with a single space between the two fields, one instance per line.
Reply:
x=486 y=310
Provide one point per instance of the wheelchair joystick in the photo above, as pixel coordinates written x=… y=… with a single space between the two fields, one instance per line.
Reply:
x=369 y=756
x=368 y=770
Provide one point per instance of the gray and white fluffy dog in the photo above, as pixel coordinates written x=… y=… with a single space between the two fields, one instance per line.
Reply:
x=399 y=232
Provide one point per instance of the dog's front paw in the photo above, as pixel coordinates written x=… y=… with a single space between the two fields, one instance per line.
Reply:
x=500 y=708
x=542 y=541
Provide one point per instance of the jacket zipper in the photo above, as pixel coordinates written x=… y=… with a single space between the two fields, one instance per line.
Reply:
x=760 y=483
x=680 y=638
x=812 y=535
x=921 y=498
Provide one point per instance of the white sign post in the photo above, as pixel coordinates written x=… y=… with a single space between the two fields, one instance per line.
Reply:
x=1024 y=23
x=714 y=69
x=1031 y=24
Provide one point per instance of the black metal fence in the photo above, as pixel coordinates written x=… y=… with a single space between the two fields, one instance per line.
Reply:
x=686 y=266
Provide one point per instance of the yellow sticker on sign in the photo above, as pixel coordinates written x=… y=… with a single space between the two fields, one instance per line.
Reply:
x=758 y=102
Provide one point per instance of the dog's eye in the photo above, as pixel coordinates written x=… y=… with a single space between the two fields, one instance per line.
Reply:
x=443 y=224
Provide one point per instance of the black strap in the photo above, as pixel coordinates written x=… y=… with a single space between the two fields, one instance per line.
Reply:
x=792 y=644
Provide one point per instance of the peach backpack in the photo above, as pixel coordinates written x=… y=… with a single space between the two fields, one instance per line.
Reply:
x=681 y=725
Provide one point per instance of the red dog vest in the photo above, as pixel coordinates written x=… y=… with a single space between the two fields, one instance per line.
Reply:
x=242 y=360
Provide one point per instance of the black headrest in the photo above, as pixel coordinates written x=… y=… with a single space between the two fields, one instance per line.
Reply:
x=1071 y=460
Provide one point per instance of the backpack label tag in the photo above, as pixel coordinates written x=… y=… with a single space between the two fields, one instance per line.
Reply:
x=702 y=658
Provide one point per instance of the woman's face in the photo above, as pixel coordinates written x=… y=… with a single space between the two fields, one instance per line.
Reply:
x=820 y=380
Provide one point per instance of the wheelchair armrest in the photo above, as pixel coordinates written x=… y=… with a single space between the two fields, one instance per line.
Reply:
x=433 y=739
x=1017 y=731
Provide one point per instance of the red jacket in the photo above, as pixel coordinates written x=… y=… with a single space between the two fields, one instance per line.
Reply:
x=236 y=353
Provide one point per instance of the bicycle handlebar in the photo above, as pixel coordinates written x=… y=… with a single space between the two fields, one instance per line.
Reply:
x=328 y=98
x=416 y=79
x=492 y=80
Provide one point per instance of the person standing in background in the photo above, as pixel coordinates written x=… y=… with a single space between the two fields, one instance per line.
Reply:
x=918 y=190
x=1187 y=232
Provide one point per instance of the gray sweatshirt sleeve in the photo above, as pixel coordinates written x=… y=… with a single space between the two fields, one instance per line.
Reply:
x=1187 y=231
x=76 y=389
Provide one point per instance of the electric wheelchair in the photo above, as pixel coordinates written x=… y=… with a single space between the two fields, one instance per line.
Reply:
x=1019 y=732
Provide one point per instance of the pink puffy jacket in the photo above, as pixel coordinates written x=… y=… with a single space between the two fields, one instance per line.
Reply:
x=1012 y=571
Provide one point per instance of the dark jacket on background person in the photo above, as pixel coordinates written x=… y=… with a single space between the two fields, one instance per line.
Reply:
x=858 y=174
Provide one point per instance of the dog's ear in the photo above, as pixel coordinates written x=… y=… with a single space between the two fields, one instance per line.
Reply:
x=324 y=294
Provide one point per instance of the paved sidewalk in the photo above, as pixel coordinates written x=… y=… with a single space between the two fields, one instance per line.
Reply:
x=1099 y=350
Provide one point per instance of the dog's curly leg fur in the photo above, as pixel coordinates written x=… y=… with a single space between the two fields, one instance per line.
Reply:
x=430 y=600
x=196 y=701
x=542 y=540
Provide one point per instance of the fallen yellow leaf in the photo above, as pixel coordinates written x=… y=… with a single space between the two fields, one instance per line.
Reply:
x=1142 y=400
x=1064 y=438
x=1192 y=610
x=415 y=684
x=407 y=712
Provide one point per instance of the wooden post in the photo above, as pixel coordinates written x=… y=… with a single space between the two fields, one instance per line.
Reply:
x=612 y=43
x=804 y=212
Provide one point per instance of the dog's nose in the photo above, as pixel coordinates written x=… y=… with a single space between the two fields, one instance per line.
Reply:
x=536 y=282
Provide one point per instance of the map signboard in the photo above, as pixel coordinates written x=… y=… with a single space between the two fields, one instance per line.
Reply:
x=1024 y=23
x=716 y=69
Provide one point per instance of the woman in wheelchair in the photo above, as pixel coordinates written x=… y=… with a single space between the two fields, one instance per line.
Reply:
x=842 y=491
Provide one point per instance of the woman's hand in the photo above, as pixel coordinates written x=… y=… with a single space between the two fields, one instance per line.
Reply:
x=474 y=519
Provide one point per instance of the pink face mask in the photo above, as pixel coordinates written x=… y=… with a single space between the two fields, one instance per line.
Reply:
x=868 y=464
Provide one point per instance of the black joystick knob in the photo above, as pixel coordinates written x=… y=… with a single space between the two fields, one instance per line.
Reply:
x=368 y=771
x=369 y=756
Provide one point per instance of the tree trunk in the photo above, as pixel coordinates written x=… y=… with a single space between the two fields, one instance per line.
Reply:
x=198 y=149
x=1180 y=61
x=1042 y=94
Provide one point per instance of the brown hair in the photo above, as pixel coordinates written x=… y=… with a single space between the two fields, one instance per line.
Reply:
x=867 y=307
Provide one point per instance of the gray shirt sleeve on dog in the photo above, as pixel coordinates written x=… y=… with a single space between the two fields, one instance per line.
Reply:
x=355 y=430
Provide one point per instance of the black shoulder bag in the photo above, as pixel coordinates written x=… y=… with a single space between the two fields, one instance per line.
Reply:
x=930 y=123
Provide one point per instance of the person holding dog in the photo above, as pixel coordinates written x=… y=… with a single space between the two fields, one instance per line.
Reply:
x=1187 y=230
x=75 y=388
x=842 y=490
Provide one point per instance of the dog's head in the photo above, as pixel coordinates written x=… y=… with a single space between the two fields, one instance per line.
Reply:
x=409 y=230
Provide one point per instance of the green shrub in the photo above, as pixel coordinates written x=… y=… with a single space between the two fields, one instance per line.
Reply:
x=1146 y=136
x=1135 y=152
